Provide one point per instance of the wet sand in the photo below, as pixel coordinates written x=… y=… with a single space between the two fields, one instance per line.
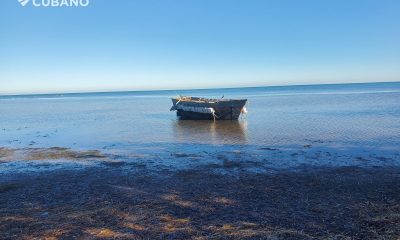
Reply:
x=222 y=199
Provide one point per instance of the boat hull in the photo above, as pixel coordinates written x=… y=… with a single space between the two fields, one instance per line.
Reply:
x=222 y=109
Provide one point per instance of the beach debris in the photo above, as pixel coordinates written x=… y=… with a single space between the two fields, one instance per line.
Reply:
x=6 y=152
x=49 y=154
x=45 y=214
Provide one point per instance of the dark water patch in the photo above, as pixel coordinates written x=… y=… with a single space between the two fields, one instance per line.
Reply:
x=184 y=155
x=114 y=163
x=4 y=187
x=269 y=149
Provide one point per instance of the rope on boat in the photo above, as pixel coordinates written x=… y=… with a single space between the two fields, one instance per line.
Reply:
x=173 y=108
x=213 y=113
x=243 y=112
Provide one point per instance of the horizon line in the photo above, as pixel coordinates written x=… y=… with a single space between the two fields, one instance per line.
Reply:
x=186 y=89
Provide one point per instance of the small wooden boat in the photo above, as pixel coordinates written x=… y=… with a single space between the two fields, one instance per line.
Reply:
x=208 y=109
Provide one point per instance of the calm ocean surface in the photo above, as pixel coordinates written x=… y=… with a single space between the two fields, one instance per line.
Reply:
x=363 y=115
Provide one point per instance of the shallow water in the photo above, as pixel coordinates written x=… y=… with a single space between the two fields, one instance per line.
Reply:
x=339 y=115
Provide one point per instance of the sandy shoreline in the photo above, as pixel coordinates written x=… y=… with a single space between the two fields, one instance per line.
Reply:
x=225 y=199
x=230 y=159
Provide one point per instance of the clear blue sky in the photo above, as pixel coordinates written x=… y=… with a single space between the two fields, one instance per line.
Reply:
x=172 y=44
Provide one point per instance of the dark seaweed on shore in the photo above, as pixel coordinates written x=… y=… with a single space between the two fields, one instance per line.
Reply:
x=115 y=203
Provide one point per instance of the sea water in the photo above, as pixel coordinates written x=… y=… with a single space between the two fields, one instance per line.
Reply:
x=341 y=116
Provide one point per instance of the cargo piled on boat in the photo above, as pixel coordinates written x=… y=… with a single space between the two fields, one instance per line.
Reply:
x=208 y=109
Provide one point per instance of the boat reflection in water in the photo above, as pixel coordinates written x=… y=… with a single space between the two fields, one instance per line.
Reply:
x=210 y=132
